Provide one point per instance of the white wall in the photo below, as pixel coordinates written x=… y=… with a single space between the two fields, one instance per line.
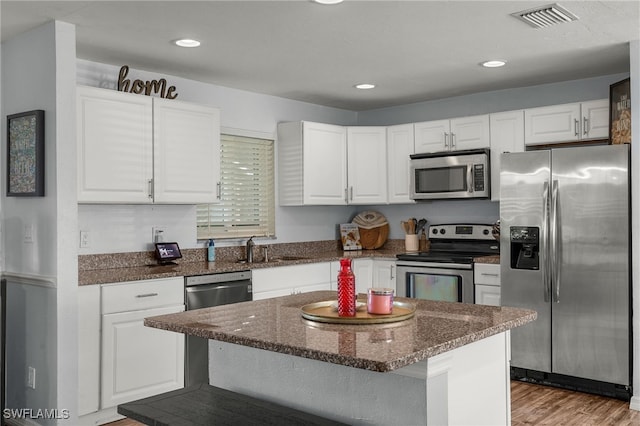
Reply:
x=38 y=72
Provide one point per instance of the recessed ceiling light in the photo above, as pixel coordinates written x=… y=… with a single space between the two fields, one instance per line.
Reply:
x=365 y=86
x=493 y=64
x=328 y=1
x=187 y=42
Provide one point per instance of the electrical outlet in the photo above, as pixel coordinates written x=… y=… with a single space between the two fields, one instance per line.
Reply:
x=157 y=234
x=31 y=378
x=85 y=239
x=28 y=234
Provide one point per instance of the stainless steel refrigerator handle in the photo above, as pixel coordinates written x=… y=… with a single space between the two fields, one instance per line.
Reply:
x=544 y=243
x=555 y=225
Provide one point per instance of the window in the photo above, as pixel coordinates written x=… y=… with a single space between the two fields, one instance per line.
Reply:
x=247 y=200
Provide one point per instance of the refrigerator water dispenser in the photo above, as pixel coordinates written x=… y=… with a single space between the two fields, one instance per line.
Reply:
x=525 y=247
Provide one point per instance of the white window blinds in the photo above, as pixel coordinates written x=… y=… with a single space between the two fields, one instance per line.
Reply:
x=247 y=204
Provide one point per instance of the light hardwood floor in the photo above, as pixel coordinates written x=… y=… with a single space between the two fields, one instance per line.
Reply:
x=543 y=405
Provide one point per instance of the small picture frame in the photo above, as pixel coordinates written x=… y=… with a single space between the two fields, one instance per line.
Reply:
x=25 y=154
x=620 y=112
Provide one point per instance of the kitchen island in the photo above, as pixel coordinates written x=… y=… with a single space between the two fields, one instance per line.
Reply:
x=448 y=364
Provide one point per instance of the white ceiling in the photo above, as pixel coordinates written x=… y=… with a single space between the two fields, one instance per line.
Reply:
x=412 y=50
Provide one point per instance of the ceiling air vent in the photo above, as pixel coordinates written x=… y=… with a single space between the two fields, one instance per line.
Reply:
x=546 y=16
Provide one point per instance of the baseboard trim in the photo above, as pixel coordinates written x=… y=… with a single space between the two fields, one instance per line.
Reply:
x=634 y=404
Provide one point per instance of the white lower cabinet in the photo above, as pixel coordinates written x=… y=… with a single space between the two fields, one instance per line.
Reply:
x=384 y=273
x=139 y=361
x=121 y=360
x=369 y=273
x=293 y=279
x=486 y=279
x=363 y=271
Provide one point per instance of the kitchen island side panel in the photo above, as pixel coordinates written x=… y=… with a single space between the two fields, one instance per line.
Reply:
x=468 y=385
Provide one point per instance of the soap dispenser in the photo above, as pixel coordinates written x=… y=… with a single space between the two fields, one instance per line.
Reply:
x=211 y=251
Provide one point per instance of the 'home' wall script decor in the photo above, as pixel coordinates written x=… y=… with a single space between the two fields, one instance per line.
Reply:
x=148 y=87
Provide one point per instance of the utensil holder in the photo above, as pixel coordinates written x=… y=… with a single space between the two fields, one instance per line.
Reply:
x=411 y=242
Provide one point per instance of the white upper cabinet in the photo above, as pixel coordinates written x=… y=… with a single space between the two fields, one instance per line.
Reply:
x=115 y=146
x=186 y=152
x=507 y=135
x=312 y=164
x=567 y=122
x=324 y=164
x=399 y=148
x=367 y=164
x=138 y=149
x=432 y=136
x=470 y=133
x=595 y=119
x=452 y=135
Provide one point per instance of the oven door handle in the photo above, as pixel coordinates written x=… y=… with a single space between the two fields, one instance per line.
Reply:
x=432 y=267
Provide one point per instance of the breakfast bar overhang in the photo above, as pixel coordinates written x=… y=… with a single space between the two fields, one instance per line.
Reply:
x=448 y=364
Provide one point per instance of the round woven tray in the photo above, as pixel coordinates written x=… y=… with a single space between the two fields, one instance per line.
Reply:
x=374 y=238
x=373 y=228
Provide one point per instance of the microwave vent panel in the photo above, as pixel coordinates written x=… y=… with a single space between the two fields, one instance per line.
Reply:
x=546 y=16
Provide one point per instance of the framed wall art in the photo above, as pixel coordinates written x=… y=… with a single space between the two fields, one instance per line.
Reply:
x=25 y=154
x=620 y=112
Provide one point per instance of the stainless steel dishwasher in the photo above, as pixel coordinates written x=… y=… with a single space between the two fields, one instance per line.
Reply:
x=205 y=291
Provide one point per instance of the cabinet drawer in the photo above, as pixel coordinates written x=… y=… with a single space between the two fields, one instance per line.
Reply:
x=486 y=273
x=146 y=294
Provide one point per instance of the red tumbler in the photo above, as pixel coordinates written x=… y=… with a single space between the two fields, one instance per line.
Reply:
x=346 y=289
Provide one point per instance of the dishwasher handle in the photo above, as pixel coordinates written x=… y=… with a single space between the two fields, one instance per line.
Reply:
x=218 y=286
x=224 y=277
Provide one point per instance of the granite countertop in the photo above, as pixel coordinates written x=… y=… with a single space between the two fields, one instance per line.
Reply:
x=494 y=259
x=121 y=267
x=154 y=271
x=277 y=325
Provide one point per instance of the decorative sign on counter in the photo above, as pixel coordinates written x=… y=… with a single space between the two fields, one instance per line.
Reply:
x=350 y=235
x=149 y=87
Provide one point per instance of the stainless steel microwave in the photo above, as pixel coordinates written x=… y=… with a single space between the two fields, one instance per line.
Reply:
x=450 y=174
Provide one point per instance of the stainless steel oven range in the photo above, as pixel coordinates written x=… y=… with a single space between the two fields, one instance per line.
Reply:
x=445 y=272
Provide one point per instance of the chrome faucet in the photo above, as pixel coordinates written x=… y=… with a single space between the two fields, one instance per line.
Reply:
x=250 y=245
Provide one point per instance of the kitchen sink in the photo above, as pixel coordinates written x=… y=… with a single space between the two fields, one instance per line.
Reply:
x=276 y=259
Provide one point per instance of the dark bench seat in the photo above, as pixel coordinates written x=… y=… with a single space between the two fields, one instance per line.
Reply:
x=209 y=405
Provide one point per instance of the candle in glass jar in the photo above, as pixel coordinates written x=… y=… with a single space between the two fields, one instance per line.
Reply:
x=380 y=300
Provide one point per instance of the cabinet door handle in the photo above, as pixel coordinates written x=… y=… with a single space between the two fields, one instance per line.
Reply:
x=489 y=275
x=576 y=127
x=346 y=195
x=351 y=193
x=391 y=272
x=150 y=192
x=453 y=140
x=219 y=190
x=585 y=125
x=446 y=145
x=146 y=295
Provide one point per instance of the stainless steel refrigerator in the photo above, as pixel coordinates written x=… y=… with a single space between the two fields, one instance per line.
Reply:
x=565 y=252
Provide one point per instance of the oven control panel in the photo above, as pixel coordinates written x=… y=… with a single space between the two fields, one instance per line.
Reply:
x=461 y=232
